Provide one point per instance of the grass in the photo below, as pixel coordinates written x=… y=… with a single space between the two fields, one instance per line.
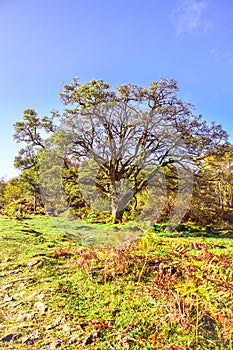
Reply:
x=68 y=285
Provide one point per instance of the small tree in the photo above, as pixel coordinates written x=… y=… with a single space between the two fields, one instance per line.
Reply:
x=2 y=187
x=32 y=131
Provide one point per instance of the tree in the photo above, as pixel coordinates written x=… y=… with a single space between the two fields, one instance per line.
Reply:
x=132 y=133
x=127 y=142
x=16 y=203
x=29 y=180
x=213 y=188
x=31 y=131
x=2 y=187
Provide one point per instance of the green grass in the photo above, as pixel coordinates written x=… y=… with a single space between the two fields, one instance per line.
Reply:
x=165 y=290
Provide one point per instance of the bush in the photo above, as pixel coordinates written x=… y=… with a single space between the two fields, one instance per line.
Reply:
x=19 y=209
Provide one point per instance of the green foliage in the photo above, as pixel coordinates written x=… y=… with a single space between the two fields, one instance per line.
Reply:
x=19 y=209
x=2 y=187
x=212 y=197
x=70 y=179
x=27 y=130
x=21 y=196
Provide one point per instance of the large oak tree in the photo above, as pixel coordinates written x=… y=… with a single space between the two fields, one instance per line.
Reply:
x=129 y=136
x=133 y=132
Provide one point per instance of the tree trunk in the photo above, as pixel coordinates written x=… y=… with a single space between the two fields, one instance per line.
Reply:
x=117 y=214
x=117 y=217
x=134 y=205
x=34 y=203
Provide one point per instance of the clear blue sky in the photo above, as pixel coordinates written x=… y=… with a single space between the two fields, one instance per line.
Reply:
x=44 y=43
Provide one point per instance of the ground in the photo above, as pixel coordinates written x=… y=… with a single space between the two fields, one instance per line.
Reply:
x=161 y=290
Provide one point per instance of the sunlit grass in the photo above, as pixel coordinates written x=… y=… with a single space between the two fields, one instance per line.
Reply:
x=161 y=289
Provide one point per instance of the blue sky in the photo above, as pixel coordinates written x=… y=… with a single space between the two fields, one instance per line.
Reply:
x=44 y=43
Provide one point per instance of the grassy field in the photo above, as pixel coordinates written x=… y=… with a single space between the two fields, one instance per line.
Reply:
x=160 y=290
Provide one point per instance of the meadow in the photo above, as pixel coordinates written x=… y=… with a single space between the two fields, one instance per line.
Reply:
x=134 y=288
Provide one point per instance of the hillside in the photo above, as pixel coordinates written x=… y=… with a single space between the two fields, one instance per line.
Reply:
x=161 y=291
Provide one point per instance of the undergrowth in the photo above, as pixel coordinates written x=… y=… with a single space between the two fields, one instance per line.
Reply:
x=167 y=292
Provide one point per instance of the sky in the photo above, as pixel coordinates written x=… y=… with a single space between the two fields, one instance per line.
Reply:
x=45 y=43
